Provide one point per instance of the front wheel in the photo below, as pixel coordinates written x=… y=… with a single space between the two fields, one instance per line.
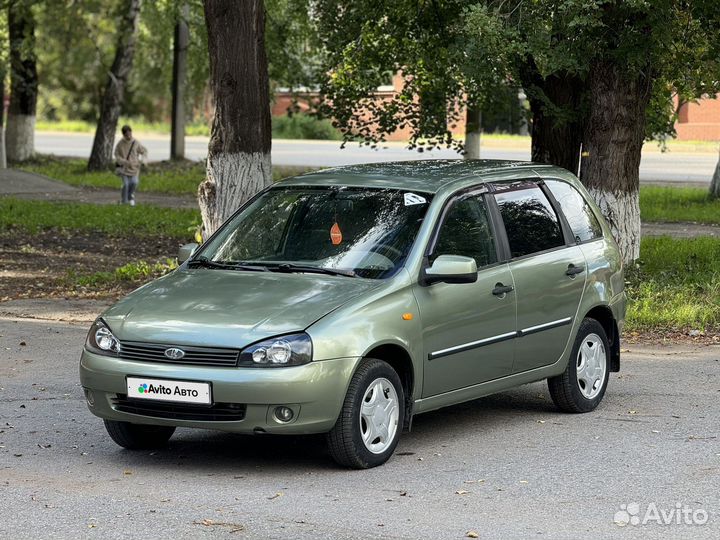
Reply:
x=582 y=385
x=368 y=428
x=138 y=436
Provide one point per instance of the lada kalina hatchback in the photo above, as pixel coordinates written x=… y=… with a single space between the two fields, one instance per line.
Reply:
x=348 y=300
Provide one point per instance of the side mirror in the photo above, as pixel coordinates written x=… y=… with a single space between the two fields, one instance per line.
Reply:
x=185 y=252
x=450 y=269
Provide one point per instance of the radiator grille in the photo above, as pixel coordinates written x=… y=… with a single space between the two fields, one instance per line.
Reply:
x=201 y=356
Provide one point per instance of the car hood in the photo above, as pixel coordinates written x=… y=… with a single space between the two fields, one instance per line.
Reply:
x=226 y=308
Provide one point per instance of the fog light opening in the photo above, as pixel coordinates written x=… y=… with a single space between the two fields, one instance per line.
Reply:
x=89 y=397
x=284 y=414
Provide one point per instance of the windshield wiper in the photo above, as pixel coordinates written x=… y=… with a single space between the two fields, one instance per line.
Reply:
x=288 y=267
x=207 y=263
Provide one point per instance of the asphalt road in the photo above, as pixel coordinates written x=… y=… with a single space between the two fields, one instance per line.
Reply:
x=655 y=166
x=507 y=466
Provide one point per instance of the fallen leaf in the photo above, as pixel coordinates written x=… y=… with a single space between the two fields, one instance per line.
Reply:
x=127 y=473
x=472 y=534
x=461 y=492
x=278 y=494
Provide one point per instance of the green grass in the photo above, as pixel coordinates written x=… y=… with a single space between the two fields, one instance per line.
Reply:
x=162 y=177
x=678 y=204
x=133 y=272
x=298 y=126
x=138 y=125
x=115 y=220
x=675 y=285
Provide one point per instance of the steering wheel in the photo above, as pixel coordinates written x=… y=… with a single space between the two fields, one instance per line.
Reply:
x=391 y=252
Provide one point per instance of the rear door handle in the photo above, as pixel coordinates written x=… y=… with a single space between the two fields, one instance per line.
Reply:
x=574 y=270
x=501 y=290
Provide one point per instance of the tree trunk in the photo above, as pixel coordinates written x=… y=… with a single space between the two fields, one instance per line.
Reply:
x=112 y=100
x=3 y=159
x=556 y=104
x=715 y=183
x=238 y=164
x=177 y=131
x=612 y=149
x=473 y=132
x=23 y=83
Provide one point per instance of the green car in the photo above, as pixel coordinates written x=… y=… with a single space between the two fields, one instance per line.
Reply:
x=346 y=301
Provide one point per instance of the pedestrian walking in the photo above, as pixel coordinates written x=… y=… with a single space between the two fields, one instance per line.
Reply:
x=128 y=155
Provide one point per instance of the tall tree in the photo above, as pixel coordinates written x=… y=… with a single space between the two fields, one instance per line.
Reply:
x=3 y=158
x=112 y=100
x=180 y=46
x=598 y=73
x=20 y=135
x=238 y=164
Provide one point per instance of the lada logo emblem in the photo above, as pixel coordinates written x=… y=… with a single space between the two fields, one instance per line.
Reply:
x=174 y=353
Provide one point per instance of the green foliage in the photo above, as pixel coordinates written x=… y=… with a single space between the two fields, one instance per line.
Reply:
x=303 y=126
x=116 y=220
x=132 y=272
x=77 y=40
x=678 y=204
x=675 y=285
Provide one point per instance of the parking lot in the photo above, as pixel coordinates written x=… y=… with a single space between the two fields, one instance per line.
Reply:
x=506 y=466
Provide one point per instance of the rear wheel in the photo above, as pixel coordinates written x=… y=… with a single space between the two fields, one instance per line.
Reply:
x=582 y=386
x=368 y=428
x=138 y=436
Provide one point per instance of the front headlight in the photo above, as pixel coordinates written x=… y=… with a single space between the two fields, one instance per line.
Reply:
x=101 y=340
x=282 y=351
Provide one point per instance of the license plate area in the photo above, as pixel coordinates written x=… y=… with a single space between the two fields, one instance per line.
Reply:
x=167 y=390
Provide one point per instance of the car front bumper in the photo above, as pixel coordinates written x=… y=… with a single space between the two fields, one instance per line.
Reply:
x=315 y=392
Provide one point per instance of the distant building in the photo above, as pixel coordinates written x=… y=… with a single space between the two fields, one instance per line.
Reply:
x=699 y=121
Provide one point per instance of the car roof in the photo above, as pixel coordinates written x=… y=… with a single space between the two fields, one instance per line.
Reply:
x=429 y=176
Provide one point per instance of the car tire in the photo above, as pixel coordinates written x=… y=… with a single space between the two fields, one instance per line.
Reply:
x=368 y=428
x=138 y=436
x=581 y=387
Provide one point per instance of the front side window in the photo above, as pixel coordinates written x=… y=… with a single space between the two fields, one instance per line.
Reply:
x=466 y=231
x=360 y=231
x=530 y=221
x=577 y=211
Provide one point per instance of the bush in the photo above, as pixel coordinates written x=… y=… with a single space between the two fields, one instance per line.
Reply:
x=303 y=126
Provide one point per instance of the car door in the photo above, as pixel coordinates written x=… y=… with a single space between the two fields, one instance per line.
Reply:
x=468 y=330
x=548 y=270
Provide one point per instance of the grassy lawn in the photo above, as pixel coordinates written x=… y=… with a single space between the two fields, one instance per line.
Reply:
x=678 y=204
x=675 y=285
x=161 y=177
x=114 y=220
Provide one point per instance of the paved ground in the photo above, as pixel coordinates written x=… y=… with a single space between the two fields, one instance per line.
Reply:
x=688 y=168
x=507 y=466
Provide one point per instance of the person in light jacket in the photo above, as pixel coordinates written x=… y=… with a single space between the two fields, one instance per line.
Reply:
x=128 y=152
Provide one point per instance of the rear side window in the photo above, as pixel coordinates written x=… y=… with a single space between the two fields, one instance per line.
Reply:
x=530 y=221
x=466 y=231
x=577 y=211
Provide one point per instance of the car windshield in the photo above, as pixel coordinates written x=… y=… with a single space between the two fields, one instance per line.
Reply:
x=336 y=230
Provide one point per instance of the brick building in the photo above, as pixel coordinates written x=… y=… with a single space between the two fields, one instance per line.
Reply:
x=699 y=121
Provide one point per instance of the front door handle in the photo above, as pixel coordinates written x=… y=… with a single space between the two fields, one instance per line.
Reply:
x=573 y=270
x=501 y=290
